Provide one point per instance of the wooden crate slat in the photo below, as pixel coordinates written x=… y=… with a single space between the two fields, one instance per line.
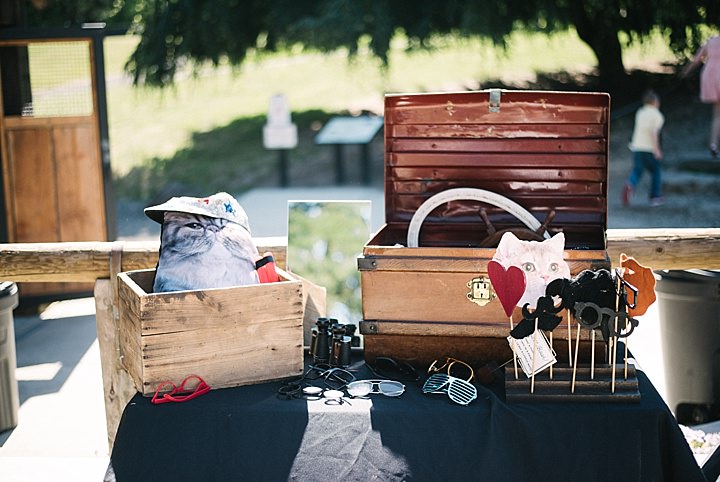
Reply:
x=492 y=129
x=517 y=107
x=541 y=146
x=475 y=160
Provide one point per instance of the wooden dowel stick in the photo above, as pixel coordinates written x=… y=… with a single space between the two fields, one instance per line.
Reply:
x=592 y=355
x=612 y=390
x=615 y=338
x=532 y=382
x=551 y=347
x=577 y=349
x=513 y=349
x=570 y=337
x=626 y=356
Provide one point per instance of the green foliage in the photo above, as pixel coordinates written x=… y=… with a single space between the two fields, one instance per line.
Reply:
x=227 y=158
x=175 y=32
x=59 y=13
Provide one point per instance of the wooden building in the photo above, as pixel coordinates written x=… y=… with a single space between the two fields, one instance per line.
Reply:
x=54 y=143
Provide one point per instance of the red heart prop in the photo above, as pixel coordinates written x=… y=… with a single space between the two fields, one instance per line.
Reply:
x=509 y=285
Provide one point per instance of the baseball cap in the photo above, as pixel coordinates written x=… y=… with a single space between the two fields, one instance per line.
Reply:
x=220 y=205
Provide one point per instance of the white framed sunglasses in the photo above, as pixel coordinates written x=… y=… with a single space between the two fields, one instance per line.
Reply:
x=458 y=390
x=363 y=388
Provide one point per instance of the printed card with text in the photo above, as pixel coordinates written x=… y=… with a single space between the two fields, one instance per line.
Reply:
x=526 y=349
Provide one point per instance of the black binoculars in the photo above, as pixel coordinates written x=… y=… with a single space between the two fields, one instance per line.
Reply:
x=331 y=342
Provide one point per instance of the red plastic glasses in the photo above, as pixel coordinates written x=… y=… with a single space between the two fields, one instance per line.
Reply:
x=173 y=393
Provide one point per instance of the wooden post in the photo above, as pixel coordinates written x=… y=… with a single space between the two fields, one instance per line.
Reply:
x=339 y=165
x=283 y=167
x=118 y=387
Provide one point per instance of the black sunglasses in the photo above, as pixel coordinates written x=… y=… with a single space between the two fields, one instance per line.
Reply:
x=333 y=377
x=386 y=367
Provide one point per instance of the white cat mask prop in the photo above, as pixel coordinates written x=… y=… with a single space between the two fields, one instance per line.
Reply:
x=205 y=243
x=541 y=261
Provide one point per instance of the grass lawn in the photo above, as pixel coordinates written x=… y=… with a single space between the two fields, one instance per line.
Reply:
x=205 y=133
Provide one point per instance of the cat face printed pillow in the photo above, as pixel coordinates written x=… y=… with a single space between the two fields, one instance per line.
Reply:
x=202 y=245
x=541 y=261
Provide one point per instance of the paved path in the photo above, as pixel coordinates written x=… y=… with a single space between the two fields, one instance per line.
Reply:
x=61 y=434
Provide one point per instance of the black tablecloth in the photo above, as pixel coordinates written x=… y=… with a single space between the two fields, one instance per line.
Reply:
x=248 y=433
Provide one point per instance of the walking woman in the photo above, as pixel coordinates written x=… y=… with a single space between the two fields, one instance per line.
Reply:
x=709 y=55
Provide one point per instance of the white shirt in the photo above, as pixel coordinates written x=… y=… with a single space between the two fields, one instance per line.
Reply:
x=648 y=122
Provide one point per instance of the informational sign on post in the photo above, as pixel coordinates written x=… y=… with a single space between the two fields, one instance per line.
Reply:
x=349 y=130
x=346 y=130
x=279 y=132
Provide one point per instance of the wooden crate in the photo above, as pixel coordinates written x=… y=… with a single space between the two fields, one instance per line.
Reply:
x=545 y=151
x=229 y=337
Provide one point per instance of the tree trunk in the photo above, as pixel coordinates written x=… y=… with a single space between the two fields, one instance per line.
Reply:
x=11 y=13
x=601 y=35
x=14 y=63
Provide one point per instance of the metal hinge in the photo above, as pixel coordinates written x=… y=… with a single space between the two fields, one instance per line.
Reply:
x=366 y=264
x=368 y=328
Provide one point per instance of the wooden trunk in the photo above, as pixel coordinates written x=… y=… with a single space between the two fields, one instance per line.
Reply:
x=544 y=151
x=229 y=337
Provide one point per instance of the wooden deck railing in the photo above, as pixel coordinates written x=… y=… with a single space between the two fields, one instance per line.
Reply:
x=673 y=249
x=660 y=249
x=89 y=261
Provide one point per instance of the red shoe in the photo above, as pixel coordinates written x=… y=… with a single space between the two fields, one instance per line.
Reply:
x=627 y=194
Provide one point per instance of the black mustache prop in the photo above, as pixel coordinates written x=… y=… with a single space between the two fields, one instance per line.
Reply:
x=591 y=296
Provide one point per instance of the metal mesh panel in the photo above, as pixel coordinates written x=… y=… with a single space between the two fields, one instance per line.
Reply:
x=60 y=79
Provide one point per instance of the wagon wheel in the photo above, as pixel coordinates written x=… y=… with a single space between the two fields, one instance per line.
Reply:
x=493 y=237
x=470 y=194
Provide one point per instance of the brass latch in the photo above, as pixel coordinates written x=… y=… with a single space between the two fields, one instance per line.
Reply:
x=481 y=292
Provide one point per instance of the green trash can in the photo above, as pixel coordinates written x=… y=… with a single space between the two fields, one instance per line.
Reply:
x=689 y=309
x=9 y=399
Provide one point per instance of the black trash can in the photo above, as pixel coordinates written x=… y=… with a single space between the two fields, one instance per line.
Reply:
x=9 y=400
x=689 y=308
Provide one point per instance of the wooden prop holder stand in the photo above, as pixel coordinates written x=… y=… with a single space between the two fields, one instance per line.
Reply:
x=587 y=389
x=607 y=382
